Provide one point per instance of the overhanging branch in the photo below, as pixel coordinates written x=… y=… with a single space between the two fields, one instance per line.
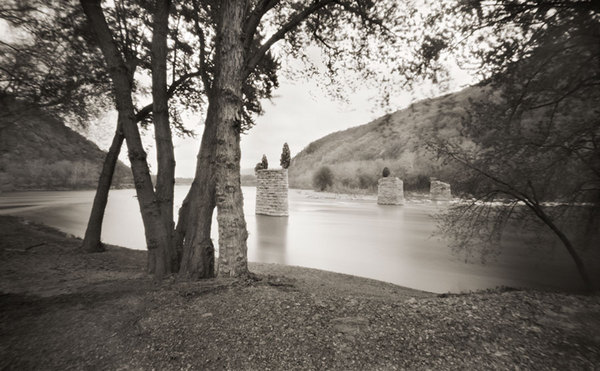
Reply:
x=254 y=18
x=294 y=21
x=202 y=40
x=146 y=110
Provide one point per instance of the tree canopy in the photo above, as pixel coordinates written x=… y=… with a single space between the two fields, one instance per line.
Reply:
x=224 y=57
x=46 y=60
x=534 y=137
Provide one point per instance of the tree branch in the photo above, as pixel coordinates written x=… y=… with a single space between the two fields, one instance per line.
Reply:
x=147 y=110
x=294 y=21
x=202 y=39
x=253 y=20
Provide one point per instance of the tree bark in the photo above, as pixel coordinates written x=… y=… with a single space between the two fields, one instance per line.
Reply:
x=92 y=239
x=157 y=236
x=165 y=176
x=589 y=285
x=198 y=253
x=181 y=228
x=227 y=101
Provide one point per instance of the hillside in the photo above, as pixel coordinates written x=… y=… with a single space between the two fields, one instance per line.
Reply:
x=37 y=151
x=398 y=141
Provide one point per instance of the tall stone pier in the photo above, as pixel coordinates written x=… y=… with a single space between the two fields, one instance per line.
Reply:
x=272 y=192
x=390 y=191
x=440 y=191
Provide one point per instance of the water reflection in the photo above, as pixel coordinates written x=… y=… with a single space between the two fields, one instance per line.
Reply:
x=389 y=243
x=390 y=212
x=270 y=241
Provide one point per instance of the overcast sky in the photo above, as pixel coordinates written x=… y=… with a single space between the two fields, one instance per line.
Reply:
x=299 y=113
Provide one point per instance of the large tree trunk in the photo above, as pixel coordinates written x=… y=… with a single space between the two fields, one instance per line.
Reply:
x=193 y=228
x=181 y=228
x=93 y=232
x=157 y=236
x=227 y=101
x=165 y=178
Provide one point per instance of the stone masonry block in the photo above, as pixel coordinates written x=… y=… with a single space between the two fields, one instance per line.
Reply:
x=272 y=192
x=440 y=191
x=390 y=191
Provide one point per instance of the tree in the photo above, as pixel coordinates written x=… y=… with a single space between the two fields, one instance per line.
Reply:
x=55 y=67
x=191 y=238
x=527 y=160
x=236 y=69
x=122 y=68
x=47 y=63
x=536 y=140
x=185 y=92
x=194 y=228
x=121 y=28
x=241 y=44
x=264 y=162
x=366 y=181
x=285 y=156
x=165 y=178
x=323 y=178
x=490 y=38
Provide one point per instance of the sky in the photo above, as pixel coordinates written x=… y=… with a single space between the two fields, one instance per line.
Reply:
x=299 y=113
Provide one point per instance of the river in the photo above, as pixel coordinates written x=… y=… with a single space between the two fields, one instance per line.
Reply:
x=389 y=243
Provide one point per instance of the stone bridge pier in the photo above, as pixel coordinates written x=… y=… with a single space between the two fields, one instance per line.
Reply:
x=272 y=192
x=390 y=191
x=440 y=191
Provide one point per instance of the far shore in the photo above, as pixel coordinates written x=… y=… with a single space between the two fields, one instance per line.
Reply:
x=356 y=194
x=62 y=308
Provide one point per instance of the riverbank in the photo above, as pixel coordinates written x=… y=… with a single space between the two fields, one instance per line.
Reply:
x=62 y=309
x=409 y=196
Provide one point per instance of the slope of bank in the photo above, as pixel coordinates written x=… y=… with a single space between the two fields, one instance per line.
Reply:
x=398 y=141
x=63 y=309
x=38 y=151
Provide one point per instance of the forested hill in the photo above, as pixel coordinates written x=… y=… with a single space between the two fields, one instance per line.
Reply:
x=37 y=151
x=357 y=155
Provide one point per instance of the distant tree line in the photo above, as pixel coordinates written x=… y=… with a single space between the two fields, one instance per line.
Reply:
x=63 y=174
x=345 y=179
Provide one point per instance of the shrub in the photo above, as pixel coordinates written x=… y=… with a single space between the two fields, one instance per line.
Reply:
x=259 y=166
x=323 y=178
x=366 y=181
x=285 y=156
x=419 y=183
x=386 y=172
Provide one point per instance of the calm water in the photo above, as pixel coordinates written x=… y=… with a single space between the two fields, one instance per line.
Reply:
x=358 y=237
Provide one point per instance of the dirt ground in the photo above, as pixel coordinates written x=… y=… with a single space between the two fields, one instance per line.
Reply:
x=63 y=309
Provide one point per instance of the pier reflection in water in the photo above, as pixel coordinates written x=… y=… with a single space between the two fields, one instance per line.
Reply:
x=270 y=240
x=359 y=237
